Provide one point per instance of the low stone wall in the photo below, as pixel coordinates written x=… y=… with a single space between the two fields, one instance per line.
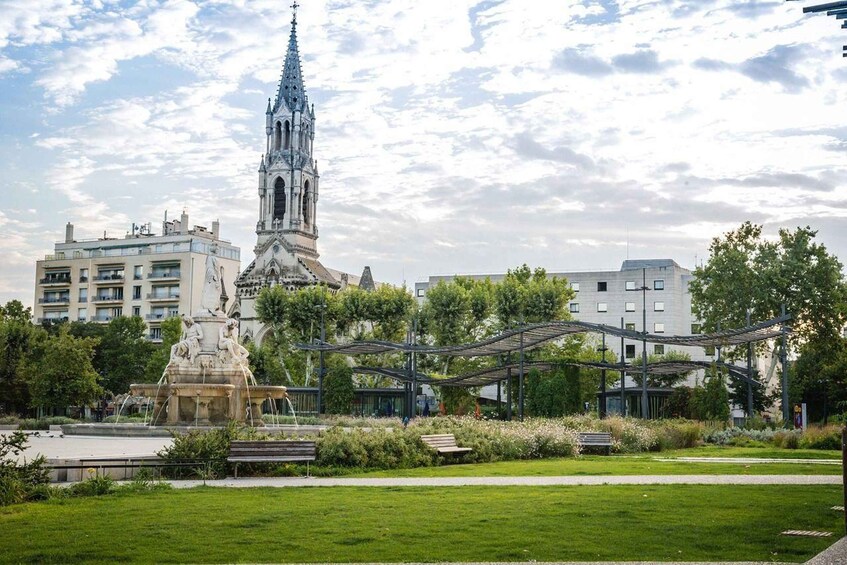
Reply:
x=97 y=466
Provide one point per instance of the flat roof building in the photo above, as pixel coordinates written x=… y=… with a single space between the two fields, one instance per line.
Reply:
x=141 y=274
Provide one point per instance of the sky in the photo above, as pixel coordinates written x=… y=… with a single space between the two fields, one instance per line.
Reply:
x=451 y=136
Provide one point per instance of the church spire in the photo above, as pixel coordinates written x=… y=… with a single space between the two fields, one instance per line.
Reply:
x=291 y=92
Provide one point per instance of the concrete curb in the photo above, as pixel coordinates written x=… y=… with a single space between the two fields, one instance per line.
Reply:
x=836 y=554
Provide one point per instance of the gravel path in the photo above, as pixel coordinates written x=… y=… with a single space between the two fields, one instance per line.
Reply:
x=519 y=481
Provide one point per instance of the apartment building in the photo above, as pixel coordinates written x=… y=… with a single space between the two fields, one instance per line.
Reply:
x=141 y=274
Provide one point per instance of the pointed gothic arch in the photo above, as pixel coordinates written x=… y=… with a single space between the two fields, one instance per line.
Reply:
x=287 y=135
x=277 y=136
x=279 y=199
x=306 y=218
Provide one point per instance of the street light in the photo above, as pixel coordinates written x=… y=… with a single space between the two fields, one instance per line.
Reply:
x=602 y=406
x=322 y=368
x=644 y=403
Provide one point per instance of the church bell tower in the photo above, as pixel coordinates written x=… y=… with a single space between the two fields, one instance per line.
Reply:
x=288 y=175
x=286 y=252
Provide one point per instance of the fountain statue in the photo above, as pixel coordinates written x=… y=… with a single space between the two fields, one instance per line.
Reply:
x=207 y=380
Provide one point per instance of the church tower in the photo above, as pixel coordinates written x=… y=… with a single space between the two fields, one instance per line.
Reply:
x=286 y=232
x=288 y=176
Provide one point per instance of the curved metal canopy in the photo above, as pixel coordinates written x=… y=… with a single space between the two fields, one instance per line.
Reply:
x=492 y=375
x=532 y=336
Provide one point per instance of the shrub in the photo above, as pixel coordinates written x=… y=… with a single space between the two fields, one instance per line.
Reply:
x=45 y=423
x=19 y=482
x=678 y=434
x=828 y=437
x=208 y=448
x=92 y=486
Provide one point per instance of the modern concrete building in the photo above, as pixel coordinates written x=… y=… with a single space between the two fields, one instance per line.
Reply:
x=616 y=297
x=141 y=274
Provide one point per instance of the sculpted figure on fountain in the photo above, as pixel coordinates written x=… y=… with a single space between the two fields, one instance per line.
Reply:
x=228 y=343
x=188 y=347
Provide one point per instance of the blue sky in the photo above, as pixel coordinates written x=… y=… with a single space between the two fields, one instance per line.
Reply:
x=452 y=136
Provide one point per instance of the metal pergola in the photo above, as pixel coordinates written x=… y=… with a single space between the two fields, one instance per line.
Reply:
x=837 y=9
x=531 y=336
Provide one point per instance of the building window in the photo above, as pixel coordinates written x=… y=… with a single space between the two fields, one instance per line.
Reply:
x=602 y=307
x=574 y=306
x=658 y=328
x=631 y=326
x=137 y=272
x=155 y=333
x=136 y=310
x=710 y=350
x=575 y=287
x=630 y=307
x=696 y=329
x=630 y=351
x=421 y=292
x=630 y=285
x=117 y=312
x=658 y=307
x=83 y=275
x=82 y=314
x=601 y=286
x=658 y=349
x=83 y=294
x=659 y=284
x=136 y=292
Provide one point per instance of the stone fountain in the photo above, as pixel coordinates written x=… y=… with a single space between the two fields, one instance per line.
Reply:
x=208 y=380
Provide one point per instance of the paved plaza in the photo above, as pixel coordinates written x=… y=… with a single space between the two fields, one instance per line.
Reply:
x=53 y=445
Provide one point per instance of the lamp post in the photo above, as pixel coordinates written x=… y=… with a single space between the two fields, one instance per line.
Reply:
x=601 y=408
x=322 y=366
x=645 y=407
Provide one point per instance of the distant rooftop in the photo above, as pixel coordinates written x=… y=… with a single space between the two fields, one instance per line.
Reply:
x=633 y=264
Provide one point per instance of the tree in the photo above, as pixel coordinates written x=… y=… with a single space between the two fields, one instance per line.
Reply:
x=60 y=373
x=17 y=338
x=747 y=271
x=265 y=364
x=161 y=355
x=339 y=390
x=711 y=400
x=665 y=380
x=556 y=393
x=124 y=353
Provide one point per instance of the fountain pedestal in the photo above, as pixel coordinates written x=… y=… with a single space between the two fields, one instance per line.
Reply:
x=207 y=380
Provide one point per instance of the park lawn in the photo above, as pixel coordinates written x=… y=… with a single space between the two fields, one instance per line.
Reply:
x=341 y=524
x=606 y=465
x=768 y=452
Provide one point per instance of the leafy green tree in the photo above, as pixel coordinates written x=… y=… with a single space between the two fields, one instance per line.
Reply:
x=668 y=380
x=747 y=271
x=161 y=355
x=265 y=364
x=60 y=373
x=557 y=393
x=17 y=337
x=124 y=353
x=711 y=400
x=819 y=378
x=339 y=390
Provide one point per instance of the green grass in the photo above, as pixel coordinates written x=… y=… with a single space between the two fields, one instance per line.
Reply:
x=770 y=452
x=637 y=523
x=611 y=465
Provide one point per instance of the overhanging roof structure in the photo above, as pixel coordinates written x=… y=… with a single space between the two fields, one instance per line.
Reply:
x=837 y=9
x=494 y=374
x=532 y=336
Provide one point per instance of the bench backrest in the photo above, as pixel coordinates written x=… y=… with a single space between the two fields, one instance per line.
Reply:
x=288 y=448
x=595 y=437
x=439 y=440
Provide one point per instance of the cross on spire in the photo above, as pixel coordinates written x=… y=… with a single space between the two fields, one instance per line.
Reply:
x=294 y=11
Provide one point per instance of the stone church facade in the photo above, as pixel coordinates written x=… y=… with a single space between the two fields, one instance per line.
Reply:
x=286 y=250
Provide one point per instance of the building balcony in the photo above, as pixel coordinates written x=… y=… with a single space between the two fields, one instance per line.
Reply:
x=51 y=320
x=153 y=297
x=63 y=279
x=159 y=316
x=108 y=278
x=55 y=300
x=102 y=318
x=154 y=338
x=106 y=299
x=172 y=275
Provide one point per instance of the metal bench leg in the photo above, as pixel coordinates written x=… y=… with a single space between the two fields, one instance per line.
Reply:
x=236 y=470
x=307 y=469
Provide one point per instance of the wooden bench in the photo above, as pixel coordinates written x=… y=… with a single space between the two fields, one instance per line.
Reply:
x=596 y=439
x=444 y=443
x=271 y=452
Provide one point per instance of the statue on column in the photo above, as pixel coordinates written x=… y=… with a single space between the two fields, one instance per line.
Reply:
x=210 y=300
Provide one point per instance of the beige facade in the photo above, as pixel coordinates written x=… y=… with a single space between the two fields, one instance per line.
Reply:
x=141 y=274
